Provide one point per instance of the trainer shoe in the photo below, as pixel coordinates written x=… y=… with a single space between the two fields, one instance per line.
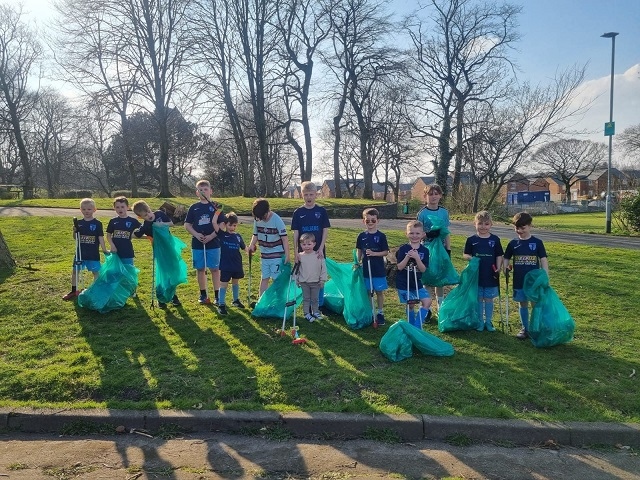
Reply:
x=480 y=328
x=71 y=295
x=380 y=319
x=162 y=305
x=237 y=303
x=489 y=326
x=324 y=311
x=522 y=335
x=427 y=319
x=175 y=301
x=310 y=318
x=317 y=315
x=133 y=295
x=222 y=309
x=204 y=300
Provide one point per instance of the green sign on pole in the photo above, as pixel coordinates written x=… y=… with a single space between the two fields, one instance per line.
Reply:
x=609 y=129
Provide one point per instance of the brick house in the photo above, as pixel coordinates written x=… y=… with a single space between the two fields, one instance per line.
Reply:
x=328 y=190
x=557 y=189
x=592 y=186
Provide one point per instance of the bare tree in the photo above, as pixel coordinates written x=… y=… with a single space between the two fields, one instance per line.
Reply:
x=19 y=54
x=566 y=158
x=630 y=140
x=461 y=57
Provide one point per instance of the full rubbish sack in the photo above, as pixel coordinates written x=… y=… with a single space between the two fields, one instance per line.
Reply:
x=440 y=271
x=459 y=311
x=113 y=286
x=398 y=342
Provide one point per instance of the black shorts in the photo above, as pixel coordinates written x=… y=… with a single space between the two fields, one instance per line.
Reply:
x=226 y=275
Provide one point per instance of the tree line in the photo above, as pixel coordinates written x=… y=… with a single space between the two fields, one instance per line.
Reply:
x=259 y=94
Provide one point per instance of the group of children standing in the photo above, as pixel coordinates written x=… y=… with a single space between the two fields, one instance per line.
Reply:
x=217 y=247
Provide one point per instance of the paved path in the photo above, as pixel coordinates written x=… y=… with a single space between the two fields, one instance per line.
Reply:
x=457 y=227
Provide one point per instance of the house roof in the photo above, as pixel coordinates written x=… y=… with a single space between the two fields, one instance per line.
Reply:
x=359 y=183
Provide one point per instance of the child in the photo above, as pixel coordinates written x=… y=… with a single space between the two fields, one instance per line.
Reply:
x=372 y=244
x=90 y=235
x=413 y=254
x=528 y=254
x=487 y=246
x=312 y=273
x=143 y=210
x=205 y=241
x=231 y=246
x=433 y=194
x=119 y=231
x=270 y=233
x=310 y=218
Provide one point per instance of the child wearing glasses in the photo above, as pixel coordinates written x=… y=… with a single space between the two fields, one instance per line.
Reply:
x=372 y=248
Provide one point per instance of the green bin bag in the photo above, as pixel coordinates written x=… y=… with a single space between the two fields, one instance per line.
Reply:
x=113 y=286
x=459 y=311
x=333 y=299
x=440 y=271
x=171 y=269
x=350 y=283
x=550 y=323
x=398 y=342
x=273 y=302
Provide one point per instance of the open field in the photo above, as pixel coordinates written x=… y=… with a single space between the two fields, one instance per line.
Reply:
x=55 y=354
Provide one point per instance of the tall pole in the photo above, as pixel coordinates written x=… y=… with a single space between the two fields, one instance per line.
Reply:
x=610 y=131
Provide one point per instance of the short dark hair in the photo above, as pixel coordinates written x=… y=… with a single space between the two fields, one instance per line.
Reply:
x=371 y=212
x=260 y=208
x=522 y=219
x=121 y=199
x=232 y=218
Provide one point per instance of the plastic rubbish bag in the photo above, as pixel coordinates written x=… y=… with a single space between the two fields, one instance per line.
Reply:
x=273 y=302
x=398 y=342
x=113 y=286
x=350 y=283
x=459 y=311
x=550 y=323
x=440 y=271
x=333 y=299
x=171 y=269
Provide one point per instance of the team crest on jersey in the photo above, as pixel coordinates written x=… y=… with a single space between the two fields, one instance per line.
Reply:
x=127 y=224
x=492 y=243
x=92 y=227
x=210 y=208
x=317 y=214
x=532 y=247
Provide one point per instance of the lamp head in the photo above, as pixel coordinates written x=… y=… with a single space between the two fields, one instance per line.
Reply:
x=609 y=34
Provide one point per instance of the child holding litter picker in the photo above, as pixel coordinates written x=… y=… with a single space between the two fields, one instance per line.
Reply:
x=413 y=257
x=311 y=276
x=205 y=245
x=488 y=248
x=231 y=247
x=372 y=248
x=89 y=238
x=526 y=253
x=120 y=229
x=143 y=210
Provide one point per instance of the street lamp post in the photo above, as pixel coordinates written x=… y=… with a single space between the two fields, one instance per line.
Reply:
x=609 y=130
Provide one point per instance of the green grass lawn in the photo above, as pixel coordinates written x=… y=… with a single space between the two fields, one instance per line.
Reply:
x=54 y=354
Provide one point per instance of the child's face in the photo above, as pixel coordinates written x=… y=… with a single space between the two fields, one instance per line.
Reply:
x=307 y=246
x=87 y=210
x=433 y=198
x=371 y=222
x=309 y=198
x=415 y=234
x=231 y=227
x=483 y=227
x=149 y=215
x=523 y=232
x=121 y=209
x=204 y=191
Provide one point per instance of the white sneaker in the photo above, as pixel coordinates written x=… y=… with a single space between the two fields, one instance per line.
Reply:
x=318 y=315
x=310 y=317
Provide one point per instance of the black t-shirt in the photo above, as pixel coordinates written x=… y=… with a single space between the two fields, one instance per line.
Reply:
x=121 y=230
x=89 y=231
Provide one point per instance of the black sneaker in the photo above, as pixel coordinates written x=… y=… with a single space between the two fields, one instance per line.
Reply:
x=522 y=335
x=175 y=301
x=204 y=300
x=380 y=320
x=237 y=303
x=222 y=309
x=324 y=311
x=162 y=305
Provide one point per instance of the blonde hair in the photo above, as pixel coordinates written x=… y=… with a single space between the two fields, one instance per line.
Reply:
x=140 y=208
x=414 y=224
x=307 y=236
x=483 y=216
x=88 y=201
x=308 y=187
x=200 y=183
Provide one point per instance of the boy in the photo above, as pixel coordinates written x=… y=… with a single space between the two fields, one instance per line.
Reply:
x=413 y=254
x=143 y=210
x=372 y=244
x=270 y=233
x=231 y=246
x=311 y=276
x=119 y=231
x=488 y=248
x=90 y=236
x=205 y=242
x=433 y=195
x=528 y=254
x=314 y=219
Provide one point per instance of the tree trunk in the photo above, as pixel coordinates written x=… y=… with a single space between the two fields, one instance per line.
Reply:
x=6 y=260
x=442 y=172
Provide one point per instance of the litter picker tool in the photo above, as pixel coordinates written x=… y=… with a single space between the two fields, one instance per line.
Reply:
x=251 y=305
x=77 y=260
x=153 y=274
x=507 y=272
x=291 y=302
x=371 y=292
x=496 y=272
